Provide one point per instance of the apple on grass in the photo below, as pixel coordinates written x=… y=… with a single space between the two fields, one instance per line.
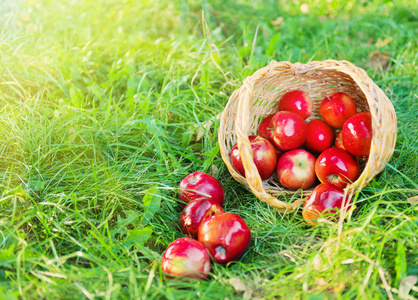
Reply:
x=226 y=236
x=296 y=169
x=298 y=102
x=287 y=130
x=194 y=213
x=320 y=136
x=326 y=201
x=198 y=186
x=264 y=157
x=264 y=126
x=186 y=257
x=336 y=166
x=337 y=108
x=357 y=134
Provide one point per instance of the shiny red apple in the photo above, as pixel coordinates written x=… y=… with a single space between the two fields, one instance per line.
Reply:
x=337 y=108
x=357 y=134
x=287 y=130
x=194 y=213
x=336 y=166
x=226 y=236
x=298 y=102
x=264 y=126
x=326 y=201
x=264 y=157
x=296 y=169
x=320 y=136
x=198 y=186
x=339 y=141
x=186 y=257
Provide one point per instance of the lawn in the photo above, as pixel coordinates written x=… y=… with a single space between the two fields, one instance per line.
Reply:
x=106 y=105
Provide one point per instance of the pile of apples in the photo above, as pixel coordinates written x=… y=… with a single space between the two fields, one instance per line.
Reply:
x=211 y=232
x=300 y=151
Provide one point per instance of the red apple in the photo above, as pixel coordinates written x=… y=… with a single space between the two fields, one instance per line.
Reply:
x=297 y=101
x=287 y=130
x=339 y=141
x=198 y=186
x=264 y=157
x=337 y=108
x=326 y=200
x=186 y=257
x=296 y=169
x=357 y=134
x=194 y=213
x=226 y=236
x=320 y=136
x=264 y=126
x=336 y=166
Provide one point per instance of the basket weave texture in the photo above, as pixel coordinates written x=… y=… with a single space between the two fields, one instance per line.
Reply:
x=258 y=97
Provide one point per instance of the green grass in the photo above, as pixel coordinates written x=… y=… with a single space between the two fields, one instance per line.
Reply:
x=100 y=106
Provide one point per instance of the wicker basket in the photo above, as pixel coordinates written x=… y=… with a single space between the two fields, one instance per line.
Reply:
x=258 y=97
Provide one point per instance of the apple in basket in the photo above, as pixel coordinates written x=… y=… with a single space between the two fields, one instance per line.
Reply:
x=226 y=236
x=287 y=130
x=326 y=201
x=357 y=134
x=194 y=213
x=339 y=141
x=296 y=169
x=264 y=126
x=298 y=102
x=198 y=186
x=336 y=166
x=264 y=157
x=320 y=136
x=337 y=108
x=186 y=257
